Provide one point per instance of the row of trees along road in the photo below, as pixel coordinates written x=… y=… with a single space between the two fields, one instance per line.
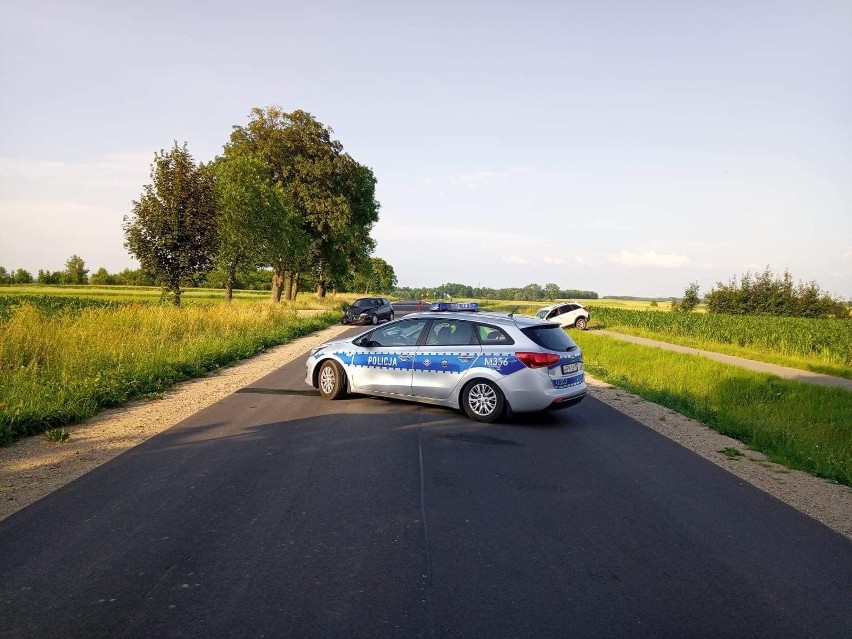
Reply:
x=283 y=195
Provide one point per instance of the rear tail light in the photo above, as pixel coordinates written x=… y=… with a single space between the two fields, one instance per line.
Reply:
x=537 y=360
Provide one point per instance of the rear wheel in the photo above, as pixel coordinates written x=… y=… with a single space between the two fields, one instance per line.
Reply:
x=332 y=380
x=483 y=401
x=581 y=323
x=390 y=319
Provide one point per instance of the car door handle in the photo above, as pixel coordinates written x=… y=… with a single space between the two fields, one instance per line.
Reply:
x=405 y=358
x=466 y=358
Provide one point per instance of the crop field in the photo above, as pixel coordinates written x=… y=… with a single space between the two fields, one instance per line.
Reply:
x=62 y=361
x=799 y=425
x=821 y=345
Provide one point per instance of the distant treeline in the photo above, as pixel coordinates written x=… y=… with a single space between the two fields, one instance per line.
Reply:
x=768 y=294
x=529 y=293
x=378 y=276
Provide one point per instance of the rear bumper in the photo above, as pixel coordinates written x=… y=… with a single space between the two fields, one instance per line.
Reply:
x=542 y=395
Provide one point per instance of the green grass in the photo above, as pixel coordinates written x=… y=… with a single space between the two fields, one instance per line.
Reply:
x=58 y=368
x=799 y=425
x=153 y=294
x=819 y=345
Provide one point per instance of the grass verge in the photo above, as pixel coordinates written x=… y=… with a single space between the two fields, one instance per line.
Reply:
x=799 y=425
x=58 y=369
x=757 y=354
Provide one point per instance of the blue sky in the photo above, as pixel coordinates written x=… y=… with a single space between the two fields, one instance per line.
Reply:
x=623 y=147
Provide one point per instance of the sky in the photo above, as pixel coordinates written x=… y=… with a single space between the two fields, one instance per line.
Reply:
x=623 y=147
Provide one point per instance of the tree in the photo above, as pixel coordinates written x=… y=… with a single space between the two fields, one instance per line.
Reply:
x=690 y=298
x=172 y=230
x=75 y=271
x=332 y=195
x=102 y=278
x=551 y=290
x=768 y=294
x=374 y=276
x=22 y=276
x=255 y=217
x=46 y=277
x=5 y=277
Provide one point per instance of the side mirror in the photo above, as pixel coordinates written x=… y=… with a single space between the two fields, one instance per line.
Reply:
x=364 y=342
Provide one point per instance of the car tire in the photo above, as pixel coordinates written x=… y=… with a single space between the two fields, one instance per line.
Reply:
x=390 y=319
x=482 y=401
x=375 y=319
x=331 y=380
x=581 y=323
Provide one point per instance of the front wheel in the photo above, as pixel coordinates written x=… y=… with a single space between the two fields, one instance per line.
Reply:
x=375 y=319
x=483 y=401
x=581 y=323
x=332 y=380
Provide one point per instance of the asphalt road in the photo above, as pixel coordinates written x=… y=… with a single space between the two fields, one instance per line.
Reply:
x=276 y=513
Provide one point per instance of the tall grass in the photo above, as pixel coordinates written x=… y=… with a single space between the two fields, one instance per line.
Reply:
x=823 y=345
x=60 y=368
x=800 y=425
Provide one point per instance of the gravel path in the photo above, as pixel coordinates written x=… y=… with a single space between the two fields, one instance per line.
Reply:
x=34 y=467
x=781 y=371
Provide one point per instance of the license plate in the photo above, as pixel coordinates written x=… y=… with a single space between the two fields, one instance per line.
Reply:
x=567 y=369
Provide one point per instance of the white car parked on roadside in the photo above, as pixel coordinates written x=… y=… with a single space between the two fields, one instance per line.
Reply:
x=566 y=314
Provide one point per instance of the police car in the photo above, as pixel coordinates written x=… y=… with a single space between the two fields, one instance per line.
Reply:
x=483 y=363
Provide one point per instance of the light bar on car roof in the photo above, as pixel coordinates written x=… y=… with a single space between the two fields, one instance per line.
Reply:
x=471 y=307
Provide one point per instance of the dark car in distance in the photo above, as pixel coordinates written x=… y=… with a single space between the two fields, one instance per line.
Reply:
x=368 y=310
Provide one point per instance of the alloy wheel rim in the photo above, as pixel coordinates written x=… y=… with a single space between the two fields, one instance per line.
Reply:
x=327 y=379
x=482 y=399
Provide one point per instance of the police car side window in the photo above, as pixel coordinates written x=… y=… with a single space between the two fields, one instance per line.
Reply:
x=405 y=333
x=492 y=335
x=450 y=333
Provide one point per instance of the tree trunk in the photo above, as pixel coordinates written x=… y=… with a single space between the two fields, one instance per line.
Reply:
x=277 y=282
x=291 y=276
x=296 y=279
x=229 y=282
x=176 y=294
x=321 y=288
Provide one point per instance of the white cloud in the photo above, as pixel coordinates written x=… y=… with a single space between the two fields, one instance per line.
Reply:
x=553 y=260
x=649 y=259
x=119 y=172
x=514 y=259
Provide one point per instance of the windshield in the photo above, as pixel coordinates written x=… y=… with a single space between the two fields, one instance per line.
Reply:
x=552 y=337
x=362 y=303
x=542 y=314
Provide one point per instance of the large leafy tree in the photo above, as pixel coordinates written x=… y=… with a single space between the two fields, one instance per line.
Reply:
x=376 y=276
x=257 y=224
x=172 y=230
x=76 y=271
x=332 y=195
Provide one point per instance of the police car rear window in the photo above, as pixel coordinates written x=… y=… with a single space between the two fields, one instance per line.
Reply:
x=492 y=335
x=553 y=338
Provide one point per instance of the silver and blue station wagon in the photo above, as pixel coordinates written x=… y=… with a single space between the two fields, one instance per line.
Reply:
x=486 y=364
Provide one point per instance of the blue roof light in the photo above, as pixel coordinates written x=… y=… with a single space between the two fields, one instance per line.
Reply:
x=471 y=307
